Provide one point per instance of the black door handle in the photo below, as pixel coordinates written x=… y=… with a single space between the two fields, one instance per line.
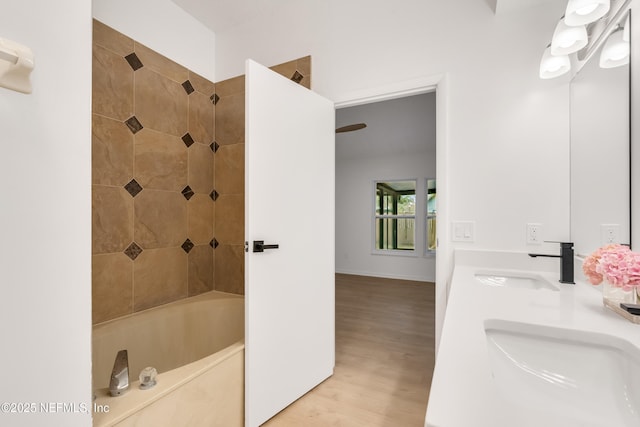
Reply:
x=259 y=246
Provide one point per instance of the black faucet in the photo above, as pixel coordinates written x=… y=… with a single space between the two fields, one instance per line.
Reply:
x=566 y=262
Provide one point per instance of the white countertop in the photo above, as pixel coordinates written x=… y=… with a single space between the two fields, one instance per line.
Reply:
x=463 y=392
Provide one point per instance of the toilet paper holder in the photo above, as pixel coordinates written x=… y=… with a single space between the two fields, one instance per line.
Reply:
x=16 y=64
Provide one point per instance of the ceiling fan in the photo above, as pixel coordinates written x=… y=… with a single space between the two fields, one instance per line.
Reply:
x=351 y=128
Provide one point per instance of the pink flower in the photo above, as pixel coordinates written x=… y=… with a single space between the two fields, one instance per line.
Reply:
x=615 y=263
x=590 y=264
x=589 y=268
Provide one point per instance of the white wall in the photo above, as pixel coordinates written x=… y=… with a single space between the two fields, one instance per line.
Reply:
x=398 y=143
x=164 y=27
x=45 y=182
x=508 y=131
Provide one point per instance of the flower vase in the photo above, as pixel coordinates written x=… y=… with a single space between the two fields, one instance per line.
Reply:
x=612 y=296
x=615 y=295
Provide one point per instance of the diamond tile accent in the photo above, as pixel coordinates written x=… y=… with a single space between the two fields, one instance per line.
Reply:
x=187 y=245
x=133 y=188
x=133 y=251
x=134 y=124
x=214 y=98
x=214 y=195
x=297 y=77
x=188 y=87
x=213 y=243
x=214 y=146
x=134 y=61
x=187 y=139
x=187 y=192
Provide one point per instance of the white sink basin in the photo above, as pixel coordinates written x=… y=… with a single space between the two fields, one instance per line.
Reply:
x=577 y=378
x=512 y=279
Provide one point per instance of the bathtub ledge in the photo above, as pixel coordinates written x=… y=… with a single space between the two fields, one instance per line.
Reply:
x=136 y=399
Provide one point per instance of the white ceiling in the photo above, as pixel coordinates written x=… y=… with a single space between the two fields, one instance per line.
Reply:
x=401 y=126
x=220 y=15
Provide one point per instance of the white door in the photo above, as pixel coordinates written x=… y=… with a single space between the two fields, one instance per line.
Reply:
x=289 y=290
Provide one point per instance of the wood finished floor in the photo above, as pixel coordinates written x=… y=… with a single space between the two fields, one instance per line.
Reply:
x=384 y=358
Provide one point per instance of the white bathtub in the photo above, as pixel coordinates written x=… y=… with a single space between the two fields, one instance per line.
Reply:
x=197 y=346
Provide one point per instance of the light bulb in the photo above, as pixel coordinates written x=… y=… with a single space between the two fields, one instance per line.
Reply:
x=615 y=51
x=568 y=39
x=586 y=9
x=552 y=66
x=582 y=12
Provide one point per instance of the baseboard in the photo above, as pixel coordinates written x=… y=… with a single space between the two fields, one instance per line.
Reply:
x=388 y=276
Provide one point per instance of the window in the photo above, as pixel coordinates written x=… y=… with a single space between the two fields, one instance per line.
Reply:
x=431 y=216
x=395 y=215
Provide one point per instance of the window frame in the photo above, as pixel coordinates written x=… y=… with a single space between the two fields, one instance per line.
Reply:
x=396 y=252
x=428 y=215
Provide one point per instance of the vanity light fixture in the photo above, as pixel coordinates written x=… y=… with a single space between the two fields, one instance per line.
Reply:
x=552 y=66
x=615 y=51
x=567 y=39
x=582 y=12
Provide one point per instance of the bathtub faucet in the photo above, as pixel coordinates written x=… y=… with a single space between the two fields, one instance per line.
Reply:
x=120 y=374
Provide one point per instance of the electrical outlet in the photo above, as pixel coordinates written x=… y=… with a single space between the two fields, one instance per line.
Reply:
x=610 y=233
x=534 y=234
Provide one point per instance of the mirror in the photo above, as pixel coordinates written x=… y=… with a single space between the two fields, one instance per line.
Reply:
x=600 y=147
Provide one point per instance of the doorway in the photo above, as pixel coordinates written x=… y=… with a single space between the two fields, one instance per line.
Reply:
x=440 y=84
x=386 y=189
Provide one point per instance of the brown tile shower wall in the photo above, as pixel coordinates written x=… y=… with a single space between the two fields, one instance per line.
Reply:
x=229 y=176
x=168 y=177
x=153 y=178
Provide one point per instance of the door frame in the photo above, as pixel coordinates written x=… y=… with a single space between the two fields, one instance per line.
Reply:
x=444 y=251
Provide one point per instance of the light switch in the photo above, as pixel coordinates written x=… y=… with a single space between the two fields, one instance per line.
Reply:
x=463 y=231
